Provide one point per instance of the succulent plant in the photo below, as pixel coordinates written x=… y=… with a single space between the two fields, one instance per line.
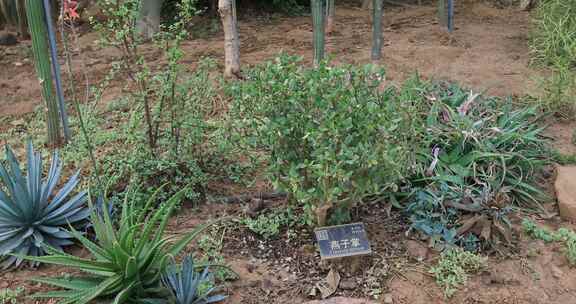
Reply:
x=189 y=286
x=33 y=214
x=127 y=258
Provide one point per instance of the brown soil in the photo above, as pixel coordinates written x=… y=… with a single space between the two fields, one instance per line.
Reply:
x=488 y=52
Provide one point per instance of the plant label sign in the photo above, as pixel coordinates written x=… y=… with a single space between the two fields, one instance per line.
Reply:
x=342 y=241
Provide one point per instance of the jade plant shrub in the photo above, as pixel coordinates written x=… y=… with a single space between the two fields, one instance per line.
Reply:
x=333 y=136
x=33 y=211
x=127 y=259
x=479 y=156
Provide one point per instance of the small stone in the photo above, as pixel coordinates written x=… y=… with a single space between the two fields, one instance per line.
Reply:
x=556 y=272
x=565 y=187
x=342 y=300
x=388 y=299
x=416 y=250
x=348 y=284
x=7 y=38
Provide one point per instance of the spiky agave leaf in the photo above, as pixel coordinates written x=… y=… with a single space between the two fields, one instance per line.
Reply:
x=189 y=286
x=32 y=213
x=127 y=259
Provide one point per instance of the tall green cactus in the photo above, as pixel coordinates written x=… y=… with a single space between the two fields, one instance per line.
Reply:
x=377 y=30
x=318 y=17
x=37 y=26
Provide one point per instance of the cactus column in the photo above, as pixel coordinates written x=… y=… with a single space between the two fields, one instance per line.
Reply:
x=377 y=30
x=37 y=26
x=319 y=34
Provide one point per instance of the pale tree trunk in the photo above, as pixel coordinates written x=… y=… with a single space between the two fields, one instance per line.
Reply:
x=149 y=22
x=330 y=16
x=367 y=4
x=227 y=10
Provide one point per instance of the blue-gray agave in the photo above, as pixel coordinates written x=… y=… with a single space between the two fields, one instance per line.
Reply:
x=189 y=286
x=32 y=213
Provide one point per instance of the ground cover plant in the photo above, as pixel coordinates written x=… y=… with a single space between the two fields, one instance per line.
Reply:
x=9 y=296
x=563 y=235
x=34 y=212
x=454 y=268
x=268 y=225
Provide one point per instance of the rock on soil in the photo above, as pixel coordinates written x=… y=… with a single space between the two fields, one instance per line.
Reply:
x=7 y=38
x=565 y=187
x=342 y=300
x=417 y=250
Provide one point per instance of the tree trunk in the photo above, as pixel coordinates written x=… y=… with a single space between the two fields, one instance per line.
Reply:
x=376 y=31
x=330 y=14
x=366 y=4
x=36 y=22
x=149 y=22
x=227 y=10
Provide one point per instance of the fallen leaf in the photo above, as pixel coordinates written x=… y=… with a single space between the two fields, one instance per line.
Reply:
x=330 y=284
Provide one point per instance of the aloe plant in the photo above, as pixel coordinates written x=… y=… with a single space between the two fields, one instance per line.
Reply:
x=31 y=215
x=127 y=260
x=188 y=286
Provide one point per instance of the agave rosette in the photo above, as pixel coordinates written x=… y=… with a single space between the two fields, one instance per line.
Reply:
x=33 y=214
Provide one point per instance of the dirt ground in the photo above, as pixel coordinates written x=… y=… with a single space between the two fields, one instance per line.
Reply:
x=488 y=52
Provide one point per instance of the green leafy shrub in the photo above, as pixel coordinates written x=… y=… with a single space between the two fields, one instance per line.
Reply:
x=165 y=125
x=553 y=43
x=188 y=286
x=334 y=137
x=127 y=260
x=193 y=148
x=454 y=268
x=32 y=213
